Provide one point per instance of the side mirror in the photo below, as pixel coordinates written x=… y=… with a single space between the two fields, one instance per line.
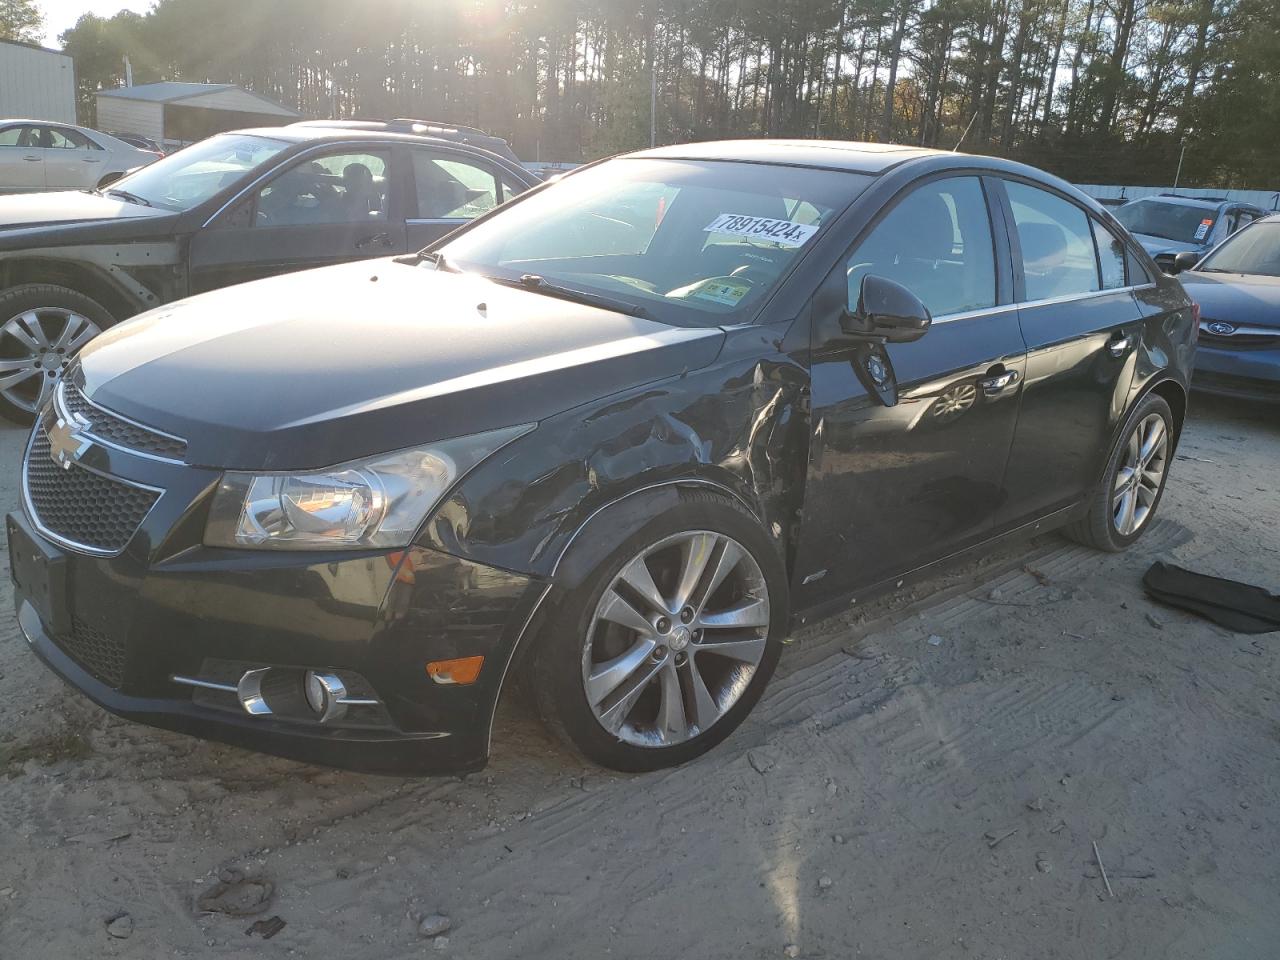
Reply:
x=1185 y=260
x=107 y=179
x=887 y=312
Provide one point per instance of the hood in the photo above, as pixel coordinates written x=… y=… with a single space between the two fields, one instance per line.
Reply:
x=68 y=206
x=316 y=368
x=1160 y=245
x=1242 y=299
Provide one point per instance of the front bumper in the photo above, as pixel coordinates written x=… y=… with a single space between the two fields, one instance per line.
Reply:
x=120 y=628
x=1247 y=373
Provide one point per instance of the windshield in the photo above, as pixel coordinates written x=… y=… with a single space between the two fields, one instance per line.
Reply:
x=1254 y=250
x=686 y=242
x=1169 y=221
x=191 y=176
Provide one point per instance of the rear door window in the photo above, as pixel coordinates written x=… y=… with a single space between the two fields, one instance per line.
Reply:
x=451 y=188
x=1058 y=258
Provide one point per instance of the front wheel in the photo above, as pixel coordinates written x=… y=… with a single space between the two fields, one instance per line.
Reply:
x=1124 y=503
x=662 y=652
x=42 y=328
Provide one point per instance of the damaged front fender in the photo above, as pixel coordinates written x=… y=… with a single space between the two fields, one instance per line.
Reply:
x=740 y=426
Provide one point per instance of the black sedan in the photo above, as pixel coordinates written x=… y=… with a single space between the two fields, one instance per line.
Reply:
x=235 y=207
x=621 y=435
x=1238 y=289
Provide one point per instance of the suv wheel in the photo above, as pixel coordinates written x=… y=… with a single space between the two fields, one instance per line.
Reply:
x=42 y=327
x=667 y=646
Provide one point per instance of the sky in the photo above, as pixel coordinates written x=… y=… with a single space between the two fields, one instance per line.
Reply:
x=61 y=14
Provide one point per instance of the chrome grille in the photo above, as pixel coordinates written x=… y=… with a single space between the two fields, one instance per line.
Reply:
x=79 y=507
x=113 y=429
x=101 y=655
x=1241 y=337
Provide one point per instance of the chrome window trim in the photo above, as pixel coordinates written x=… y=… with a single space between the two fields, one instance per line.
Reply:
x=29 y=508
x=1030 y=304
x=438 y=221
x=60 y=408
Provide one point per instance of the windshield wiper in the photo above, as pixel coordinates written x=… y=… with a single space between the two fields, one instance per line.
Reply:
x=413 y=259
x=539 y=284
x=131 y=197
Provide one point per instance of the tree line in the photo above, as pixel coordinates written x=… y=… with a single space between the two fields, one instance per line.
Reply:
x=1107 y=91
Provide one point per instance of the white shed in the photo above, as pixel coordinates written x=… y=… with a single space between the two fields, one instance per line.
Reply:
x=36 y=84
x=186 y=111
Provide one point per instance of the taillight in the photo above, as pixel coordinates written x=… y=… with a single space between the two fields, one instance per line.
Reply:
x=1195 y=321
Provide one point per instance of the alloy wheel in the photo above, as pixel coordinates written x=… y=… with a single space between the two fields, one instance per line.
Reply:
x=1140 y=475
x=675 y=639
x=36 y=348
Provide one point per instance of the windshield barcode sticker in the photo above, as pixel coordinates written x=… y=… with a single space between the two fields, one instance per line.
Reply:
x=782 y=232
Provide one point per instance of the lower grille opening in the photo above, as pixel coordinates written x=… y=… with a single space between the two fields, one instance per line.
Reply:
x=101 y=655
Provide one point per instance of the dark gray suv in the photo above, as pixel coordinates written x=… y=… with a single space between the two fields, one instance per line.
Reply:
x=238 y=206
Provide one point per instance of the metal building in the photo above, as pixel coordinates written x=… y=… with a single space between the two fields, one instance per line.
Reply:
x=36 y=84
x=186 y=111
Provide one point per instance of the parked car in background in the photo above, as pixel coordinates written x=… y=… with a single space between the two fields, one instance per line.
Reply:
x=142 y=143
x=235 y=207
x=1171 y=224
x=37 y=156
x=799 y=373
x=1238 y=289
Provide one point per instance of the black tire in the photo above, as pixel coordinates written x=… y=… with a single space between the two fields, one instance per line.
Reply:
x=556 y=668
x=17 y=399
x=1097 y=528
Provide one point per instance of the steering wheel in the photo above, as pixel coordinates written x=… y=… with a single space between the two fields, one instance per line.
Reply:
x=753 y=273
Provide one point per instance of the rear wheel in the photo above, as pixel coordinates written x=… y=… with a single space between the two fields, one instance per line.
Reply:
x=42 y=328
x=668 y=645
x=1124 y=503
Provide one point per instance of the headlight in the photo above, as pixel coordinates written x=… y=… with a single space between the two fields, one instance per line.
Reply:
x=377 y=502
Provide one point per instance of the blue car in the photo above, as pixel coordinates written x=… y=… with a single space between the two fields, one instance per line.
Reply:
x=1238 y=289
x=1168 y=224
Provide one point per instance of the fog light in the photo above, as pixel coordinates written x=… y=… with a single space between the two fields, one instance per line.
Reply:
x=462 y=670
x=325 y=695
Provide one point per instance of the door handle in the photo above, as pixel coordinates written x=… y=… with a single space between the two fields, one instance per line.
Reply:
x=997 y=383
x=381 y=239
x=90 y=160
x=32 y=159
x=1120 y=344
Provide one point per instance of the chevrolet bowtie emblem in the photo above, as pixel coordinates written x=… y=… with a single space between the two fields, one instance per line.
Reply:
x=67 y=442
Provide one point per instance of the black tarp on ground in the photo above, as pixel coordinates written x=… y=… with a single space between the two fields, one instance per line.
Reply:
x=1228 y=603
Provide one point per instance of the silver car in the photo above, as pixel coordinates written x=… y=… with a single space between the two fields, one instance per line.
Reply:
x=36 y=155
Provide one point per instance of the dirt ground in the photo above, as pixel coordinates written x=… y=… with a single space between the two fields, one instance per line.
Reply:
x=925 y=778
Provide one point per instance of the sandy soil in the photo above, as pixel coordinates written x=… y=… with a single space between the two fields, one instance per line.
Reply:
x=891 y=797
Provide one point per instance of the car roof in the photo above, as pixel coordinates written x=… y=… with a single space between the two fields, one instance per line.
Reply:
x=308 y=134
x=870 y=158
x=1209 y=203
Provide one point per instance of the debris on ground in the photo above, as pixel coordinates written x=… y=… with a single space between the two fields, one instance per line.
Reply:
x=994 y=839
x=237 y=895
x=266 y=929
x=1101 y=869
x=791 y=950
x=1036 y=805
x=761 y=763
x=120 y=926
x=935 y=640
x=434 y=925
